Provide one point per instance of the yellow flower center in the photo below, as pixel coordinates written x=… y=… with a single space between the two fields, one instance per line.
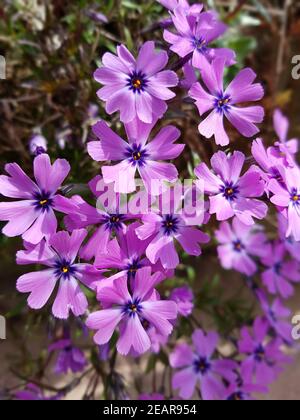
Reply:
x=137 y=84
x=43 y=202
x=223 y=102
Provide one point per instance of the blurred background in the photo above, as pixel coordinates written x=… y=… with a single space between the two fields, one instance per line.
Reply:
x=52 y=49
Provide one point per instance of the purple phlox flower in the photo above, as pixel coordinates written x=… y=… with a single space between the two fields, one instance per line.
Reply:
x=291 y=245
x=281 y=272
x=164 y=230
x=223 y=102
x=38 y=144
x=32 y=216
x=136 y=156
x=201 y=367
x=287 y=198
x=190 y=76
x=107 y=219
x=69 y=357
x=284 y=149
x=271 y=167
x=278 y=317
x=240 y=390
x=151 y=397
x=173 y=4
x=137 y=88
x=194 y=34
x=264 y=358
x=230 y=193
x=240 y=244
x=33 y=393
x=157 y=339
x=127 y=254
x=184 y=298
x=59 y=255
x=129 y=311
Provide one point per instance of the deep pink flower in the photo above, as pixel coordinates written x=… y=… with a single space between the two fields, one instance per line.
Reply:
x=59 y=255
x=131 y=311
x=136 y=156
x=264 y=359
x=239 y=245
x=194 y=34
x=287 y=198
x=280 y=273
x=136 y=88
x=230 y=193
x=33 y=215
x=200 y=366
x=223 y=102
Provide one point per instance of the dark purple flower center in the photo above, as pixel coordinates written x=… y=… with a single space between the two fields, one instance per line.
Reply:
x=133 y=308
x=136 y=155
x=237 y=396
x=238 y=246
x=199 y=44
x=64 y=269
x=137 y=82
x=295 y=197
x=39 y=151
x=202 y=365
x=229 y=191
x=170 y=224
x=272 y=315
x=222 y=103
x=43 y=201
x=277 y=268
x=260 y=354
x=114 y=222
x=133 y=267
